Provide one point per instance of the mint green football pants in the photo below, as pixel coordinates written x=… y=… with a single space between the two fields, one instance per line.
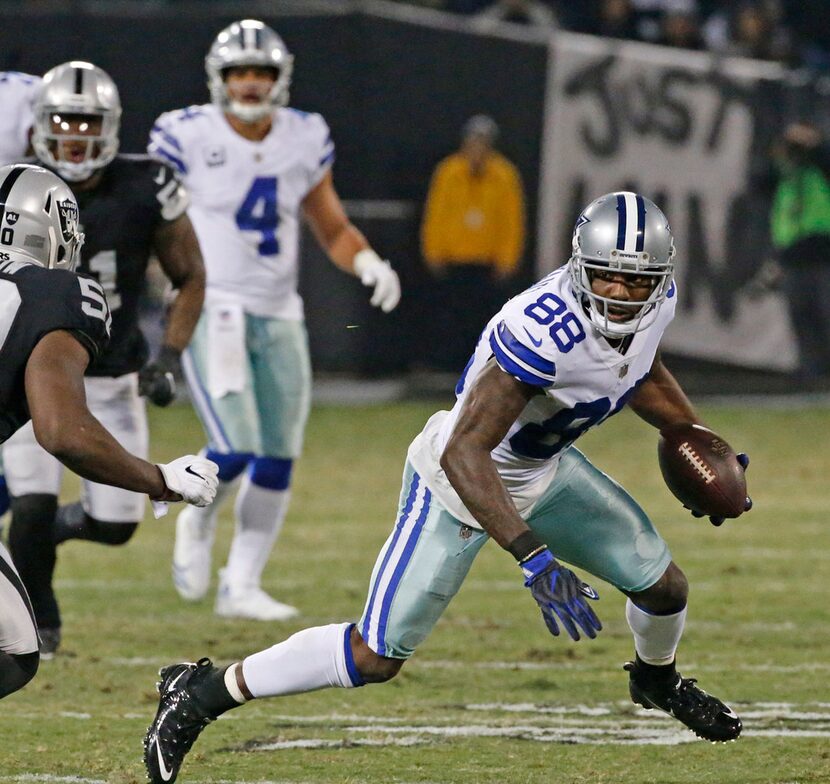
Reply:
x=585 y=517
x=269 y=415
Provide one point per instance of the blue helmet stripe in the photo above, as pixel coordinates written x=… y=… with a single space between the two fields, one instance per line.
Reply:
x=641 y=223
x=621 y=220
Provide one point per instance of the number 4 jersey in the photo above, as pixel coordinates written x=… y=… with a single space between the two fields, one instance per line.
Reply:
x=543 y=338
x=245 y=199
x=35 y=301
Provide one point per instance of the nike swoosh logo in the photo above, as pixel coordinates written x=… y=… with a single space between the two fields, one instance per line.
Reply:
x=533 y=340
x=175 y=680
x=165 y=774
x=732 y=715
x=189 y=470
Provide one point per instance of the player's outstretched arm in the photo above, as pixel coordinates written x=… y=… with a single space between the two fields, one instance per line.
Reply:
x=661 y=401
x=347 y=247
x=65 y=427
x=491 y=407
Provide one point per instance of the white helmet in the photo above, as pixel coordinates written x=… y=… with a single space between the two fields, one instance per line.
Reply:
x=249 y=42
x=39 y=217
x=626 y=232
x=71 y=89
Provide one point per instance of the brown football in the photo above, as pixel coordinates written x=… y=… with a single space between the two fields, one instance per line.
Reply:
x=702 y=470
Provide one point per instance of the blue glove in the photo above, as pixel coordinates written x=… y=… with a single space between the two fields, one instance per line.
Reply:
x=743 y=459
x=559 y=593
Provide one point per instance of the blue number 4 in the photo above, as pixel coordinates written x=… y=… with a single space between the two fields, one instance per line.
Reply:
x=258 y=212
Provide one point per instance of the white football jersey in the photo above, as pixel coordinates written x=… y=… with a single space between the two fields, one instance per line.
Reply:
x=543 y=337
x=245 y=199
x=17 y=96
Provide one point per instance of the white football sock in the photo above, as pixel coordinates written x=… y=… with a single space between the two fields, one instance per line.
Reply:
x=232 y=686
x=312 y=659
x=260 y=513
x=656 y=637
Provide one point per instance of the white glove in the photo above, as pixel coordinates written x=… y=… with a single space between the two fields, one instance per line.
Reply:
x=374 y=271
x=192 y=477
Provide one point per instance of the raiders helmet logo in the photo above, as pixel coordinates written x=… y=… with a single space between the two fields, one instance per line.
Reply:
x=11 y=217
x=68 y=211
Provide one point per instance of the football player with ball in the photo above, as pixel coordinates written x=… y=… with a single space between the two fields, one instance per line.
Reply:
x=555 y=361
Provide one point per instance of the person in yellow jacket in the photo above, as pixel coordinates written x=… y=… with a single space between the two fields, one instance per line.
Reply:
x=472 y=237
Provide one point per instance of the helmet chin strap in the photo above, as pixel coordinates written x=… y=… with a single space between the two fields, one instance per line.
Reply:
x=250 y=113
x=75 y=172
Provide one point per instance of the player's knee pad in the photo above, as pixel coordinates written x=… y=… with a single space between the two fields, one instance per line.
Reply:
x=16 y=670
x=231 y=464
x=272 y=473
x=32 y=516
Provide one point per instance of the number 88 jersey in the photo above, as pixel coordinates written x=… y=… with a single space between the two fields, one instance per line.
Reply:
x=544 y=338
x=246 y=198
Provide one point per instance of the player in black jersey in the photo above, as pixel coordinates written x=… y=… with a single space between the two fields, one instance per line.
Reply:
x=131 y=207
x=53 y=323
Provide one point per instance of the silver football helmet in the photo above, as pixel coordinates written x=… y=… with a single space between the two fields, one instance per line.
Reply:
x=629 y=233
x=39 y=217
x=248 y=42
x=76 y=88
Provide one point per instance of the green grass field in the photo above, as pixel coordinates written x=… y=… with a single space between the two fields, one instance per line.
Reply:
x=490 y=697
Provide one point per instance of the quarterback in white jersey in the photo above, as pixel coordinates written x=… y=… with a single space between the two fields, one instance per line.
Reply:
x=17 y=96
x=557 y=360
x=252 y=165
x=246 y=198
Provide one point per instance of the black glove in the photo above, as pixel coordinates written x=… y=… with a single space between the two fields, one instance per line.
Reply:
x=157 y=379
x=743 y=459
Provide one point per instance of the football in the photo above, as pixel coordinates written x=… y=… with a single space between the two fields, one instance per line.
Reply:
x=702 y=470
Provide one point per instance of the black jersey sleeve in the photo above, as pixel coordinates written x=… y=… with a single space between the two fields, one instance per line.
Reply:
x=161 y=190
x=61 y=300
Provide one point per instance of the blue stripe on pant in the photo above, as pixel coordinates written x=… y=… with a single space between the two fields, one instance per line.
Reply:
x=420 y=568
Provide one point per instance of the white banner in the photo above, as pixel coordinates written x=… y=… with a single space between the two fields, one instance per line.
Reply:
x=664 y=122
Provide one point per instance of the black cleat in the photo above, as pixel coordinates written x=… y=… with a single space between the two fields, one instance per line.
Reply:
x=702 y=713
x=178 y=722
x=50 y=641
